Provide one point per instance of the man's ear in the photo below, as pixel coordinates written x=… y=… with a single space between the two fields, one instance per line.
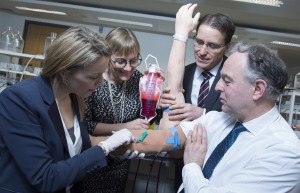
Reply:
x=259 y=89
x=227 y=46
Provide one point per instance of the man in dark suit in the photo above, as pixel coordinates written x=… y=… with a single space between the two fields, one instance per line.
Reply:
x=213 y=36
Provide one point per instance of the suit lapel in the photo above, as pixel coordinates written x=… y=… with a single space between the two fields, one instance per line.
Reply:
x=86 y=143
x=213 y=95
x=48 y=97
x=57 y=122
x=188 y=82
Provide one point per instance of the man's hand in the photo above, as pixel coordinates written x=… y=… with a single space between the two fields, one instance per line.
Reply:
x=166 y=99
x=179 y=112
x=184 y=111
x=196 y=146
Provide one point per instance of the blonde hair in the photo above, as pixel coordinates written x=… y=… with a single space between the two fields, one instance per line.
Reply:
x=75 y=49
x=123 y=41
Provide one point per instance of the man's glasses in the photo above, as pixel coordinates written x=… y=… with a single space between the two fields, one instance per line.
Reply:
x=122 y=62
x=211 y=47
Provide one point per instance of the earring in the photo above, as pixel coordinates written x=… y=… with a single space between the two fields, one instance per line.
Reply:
x=66 y=81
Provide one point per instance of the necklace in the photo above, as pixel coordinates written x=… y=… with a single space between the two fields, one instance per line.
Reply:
x=114 y=104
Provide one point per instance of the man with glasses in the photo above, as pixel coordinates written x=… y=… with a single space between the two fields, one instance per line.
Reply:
x=213 y=36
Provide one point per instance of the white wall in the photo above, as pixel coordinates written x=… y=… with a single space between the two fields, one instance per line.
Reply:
x=155 y=44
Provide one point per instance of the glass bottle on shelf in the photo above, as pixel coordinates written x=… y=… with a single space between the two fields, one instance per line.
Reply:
x=17 y=46
x=6 y=39
x=18 y=43
x=48 y=41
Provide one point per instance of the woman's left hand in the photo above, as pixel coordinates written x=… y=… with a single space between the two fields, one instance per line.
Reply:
x=137 y=124
x=159 y=71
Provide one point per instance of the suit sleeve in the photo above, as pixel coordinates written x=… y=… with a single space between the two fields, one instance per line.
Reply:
x=24 y=140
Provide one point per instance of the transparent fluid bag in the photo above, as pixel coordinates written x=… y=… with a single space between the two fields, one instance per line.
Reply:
x=150 y=88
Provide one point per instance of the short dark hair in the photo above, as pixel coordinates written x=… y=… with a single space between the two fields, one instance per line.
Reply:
x=220 y=22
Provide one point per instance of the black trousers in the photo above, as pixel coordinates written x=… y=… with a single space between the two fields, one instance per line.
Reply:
x=178 y=173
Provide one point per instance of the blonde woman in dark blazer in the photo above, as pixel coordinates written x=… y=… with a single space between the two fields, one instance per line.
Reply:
x=44 y=147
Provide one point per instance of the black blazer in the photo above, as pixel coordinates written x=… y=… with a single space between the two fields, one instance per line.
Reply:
x=212 y=101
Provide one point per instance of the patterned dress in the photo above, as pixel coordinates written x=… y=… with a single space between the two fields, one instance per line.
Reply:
x=112 y=179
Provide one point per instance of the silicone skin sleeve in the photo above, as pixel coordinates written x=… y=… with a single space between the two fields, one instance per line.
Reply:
x=154 y=142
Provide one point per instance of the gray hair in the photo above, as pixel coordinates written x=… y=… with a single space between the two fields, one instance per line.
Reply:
x=265 y=64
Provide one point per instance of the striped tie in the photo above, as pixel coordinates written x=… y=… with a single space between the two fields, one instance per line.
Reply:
x=204 y=89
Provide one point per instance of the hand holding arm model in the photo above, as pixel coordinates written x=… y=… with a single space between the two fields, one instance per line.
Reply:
x=184 y=112
x=137 y=124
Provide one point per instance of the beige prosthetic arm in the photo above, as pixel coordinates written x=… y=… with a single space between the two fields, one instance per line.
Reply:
x=185 y=23
x=156 y=141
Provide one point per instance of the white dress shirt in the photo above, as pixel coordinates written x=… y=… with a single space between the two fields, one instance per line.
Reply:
x=198 y=79
x=263 y=159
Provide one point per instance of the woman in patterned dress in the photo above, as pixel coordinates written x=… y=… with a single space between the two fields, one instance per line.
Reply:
x=116 y=105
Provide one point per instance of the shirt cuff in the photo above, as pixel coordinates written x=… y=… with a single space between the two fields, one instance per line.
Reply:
x=193 y=178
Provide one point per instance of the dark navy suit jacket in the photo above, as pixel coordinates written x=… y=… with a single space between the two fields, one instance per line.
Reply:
x=34 y=155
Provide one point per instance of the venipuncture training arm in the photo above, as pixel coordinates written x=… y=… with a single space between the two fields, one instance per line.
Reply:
x=185 y=23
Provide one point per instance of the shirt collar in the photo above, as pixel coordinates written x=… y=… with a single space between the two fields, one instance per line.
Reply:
x=213 y=71
x=256 y=125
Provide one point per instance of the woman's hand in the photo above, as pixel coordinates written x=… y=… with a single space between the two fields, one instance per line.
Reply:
x=159 y=71
x=137 y=124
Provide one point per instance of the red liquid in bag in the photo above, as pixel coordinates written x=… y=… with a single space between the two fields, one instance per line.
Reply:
x=148 y=109
x=150 y=89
